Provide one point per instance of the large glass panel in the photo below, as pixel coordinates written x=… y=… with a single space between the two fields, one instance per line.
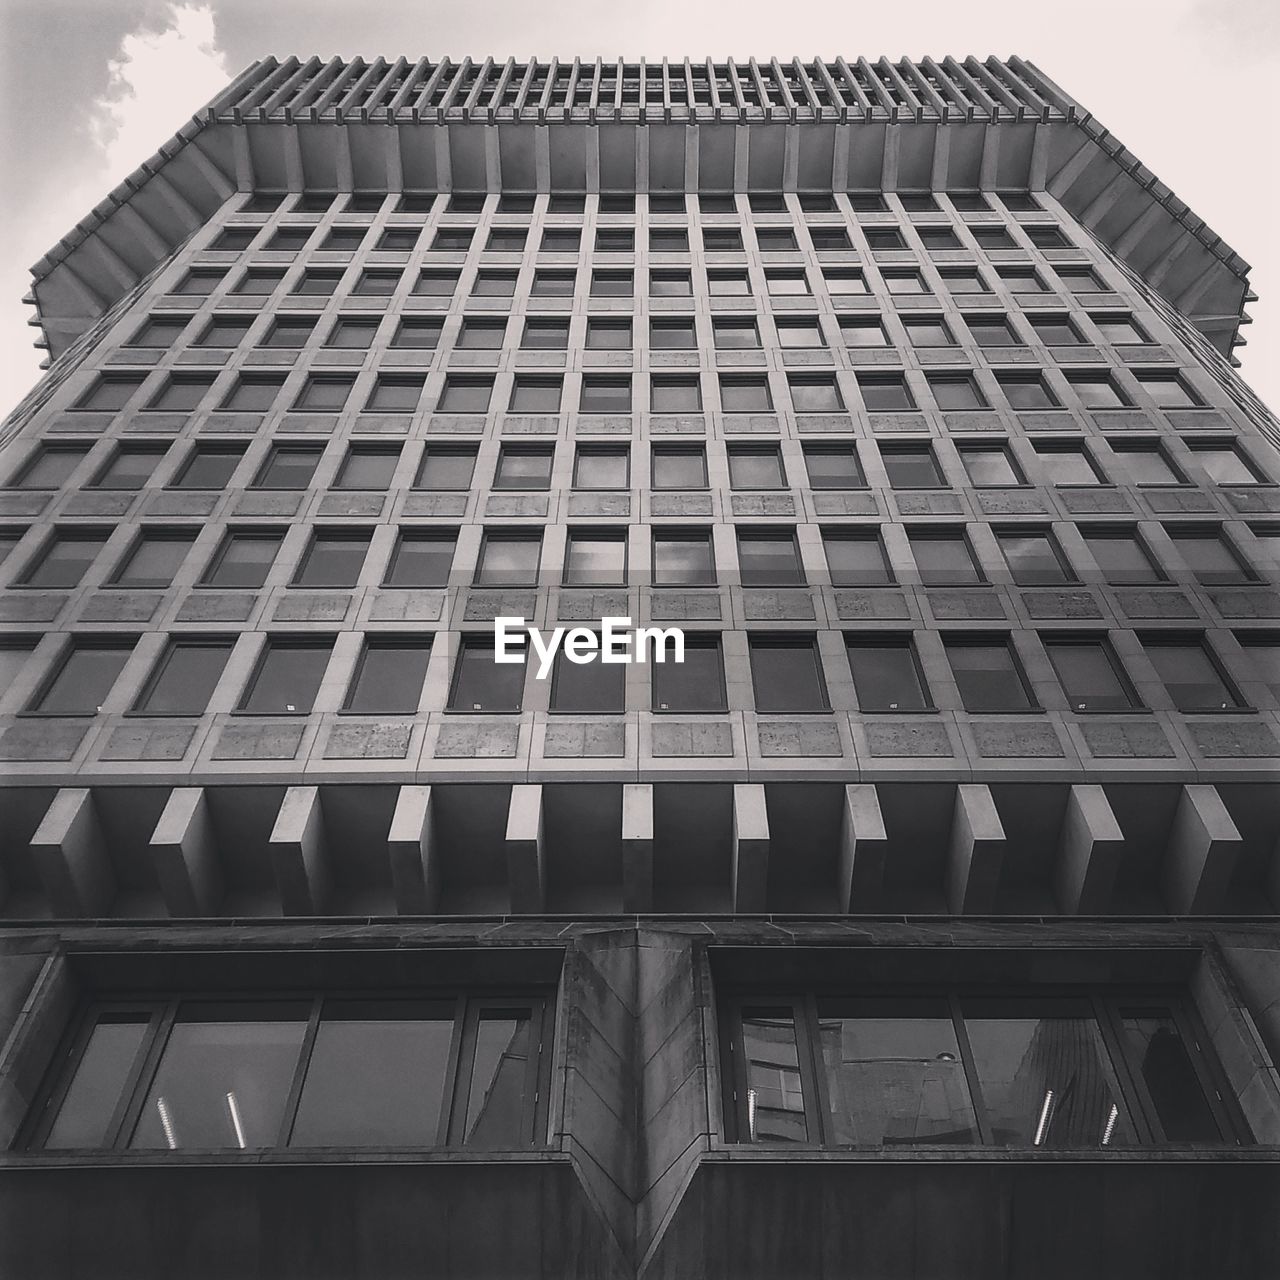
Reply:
x=787 y=676
x=496 y=1100
x=887 y=677
x=185 y=680
x=84 y=680
x=1159 y=1055
x=894 y=1074
x=1033 y=559
x=683 y=560
x=288 y=680
x=775 y=1095
x=988 y=677
x=421 y=561
x=245 y=560
x=482 y=684
x=595 y=560
x=154 y=560
x=1190 y=676
x=376 y=1076
x=65 y=561
x=223 y=1078
x=856 y=559
x=588 y=686
x=509 y=562
x=101 y=1075
x=389 y=680
x=1043 y=1075
x=1088 y=675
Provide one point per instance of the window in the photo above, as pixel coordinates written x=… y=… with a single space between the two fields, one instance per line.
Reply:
x=589 y=686
x=199 y=283
x=494 y=284
x=323 y=393
x=675 y=466
x=993 y=238
x=334 y=559
x=682 y=558
x=603 y=394
x=259 y=281
x=416 y=202
x=543 y=334
x=50 y=466
x=786 y=284
x=988 y=675
x=776 y=240
x=1145 y=462
x=481 y=335
x=756 y=466
x=943 y=557
x=287 y=678
x=509 y=560
x=365 y=202
x=376 y=284
x=446 y=468
x=452 y=240
x=1168 y=391
x=317 y=284
x=159 y=332
x=154 y=559
x=236 y=239
x=210 y=466
x=415 y=334
x=1096 y=391
x=566 y=202
x=1225 y=464
x=885 y=393
x=463 y=394
x=110 y=392
x=866 y=202
x=911 y=466
x=229 y=1073
x=482 y=684
x=1209 y=556
x=421 y=559
x=1082 y=280
x=180 y=393
x=349 y=239
x=856 y=558
x=670 y=284
x=595 y=559
x=928 y=331
x=615 y=240
x=963 y=282
x=786 y=673
x=731 y=333
x=1033 y=557
x=612 y=284
x=467 y=202
x=989 y=465
x=290 y=332
x=1190 y=674
x=1025 y=392
x=721 y=240
x=817 y=202
x=1055 y=331
x=769 y=557
x=244 y=559
x=1119 y=329
x=992 y=331
x=936 y=239
x=953 y=392
x=1090 y=674
x=676 y=334
x=608 y=335
x=969 y=202
x=130 y=467
x=524 y=467
x=829 y=239
x=1067 y=464
x=694 y=685
x=288 y=466
x=553 y=284
x=601 y=467
x=184 y=679
x=728 y=284
x=767 y=202
x=388 y=678
x=83 y=679
x=858 y=331
x=814 y=393
x=745 y=393
x=966 y=1067
x=561 y=240
x=435 y=284
x=352 y=334
x=1264 y=652
x=65 y=559
x=1048 y=238
x=288 y=239
x=675 y=393
x=833 y=466
x=666 y=203
x=252 y=393
x=507 y=240
x=1021 y=280
x=902 y=282
x=1121 y=556
x=532 y=394
x=887 y=675
x=368 y=466
x=880 y=238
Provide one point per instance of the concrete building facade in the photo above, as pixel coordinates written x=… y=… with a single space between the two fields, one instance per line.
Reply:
x=921 y=922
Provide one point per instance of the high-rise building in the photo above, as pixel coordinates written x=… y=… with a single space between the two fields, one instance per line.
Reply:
x=922 y=922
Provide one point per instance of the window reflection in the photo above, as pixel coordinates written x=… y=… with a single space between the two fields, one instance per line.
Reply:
x=499 y=1071
x=775 y=1098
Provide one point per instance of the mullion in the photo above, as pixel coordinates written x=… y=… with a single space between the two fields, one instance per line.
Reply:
x=476 y=1008
x=145 y=1075
x=970 y=1069
x=736 y=1078
x=452 y=1075
x=294 y=1096
x=1142 y=1122
x=818 y=1129
x=532 y=1074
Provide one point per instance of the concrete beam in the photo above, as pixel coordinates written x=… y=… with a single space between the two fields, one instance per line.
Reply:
x=864 y=845
x=750 y=847
x=526 y=860
x=976 y=853
x=184 y=854
x=1202 y=851
x=71 y=856
x=298 y=854
x=1088 y=853
x=637 y=846
x=415 y=864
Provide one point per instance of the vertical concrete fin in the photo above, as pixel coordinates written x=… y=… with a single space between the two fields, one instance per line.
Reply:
x=298 y=855
x=526 y=863
x=863 y=847
x=70 y=852
x=1089 y=852
x=750 y=847
x=976 y=853
x=637 y=846
x=1201 y=856
x=185 y=856
x=415 y=865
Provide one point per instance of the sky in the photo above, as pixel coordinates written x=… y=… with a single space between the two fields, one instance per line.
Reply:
x=1187 y=85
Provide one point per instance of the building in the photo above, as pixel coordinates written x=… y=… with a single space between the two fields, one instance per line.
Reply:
x=922 y=923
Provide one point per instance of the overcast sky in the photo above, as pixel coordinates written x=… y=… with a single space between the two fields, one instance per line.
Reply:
x=1186 y=84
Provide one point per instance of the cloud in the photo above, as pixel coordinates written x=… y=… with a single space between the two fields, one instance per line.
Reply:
x=162 y=74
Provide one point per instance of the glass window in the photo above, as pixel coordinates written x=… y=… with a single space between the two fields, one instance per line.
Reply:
x=287 y=678
x=1209 y=556
x=482 y=684
x=288 y=239
x=902 y=282
x=507 y=240
x=561 y=240
x=604 y=394
x=682 y=558
x=956 y=392
x=531 y=394
x=867 y=202
x=734 y=333
x=829 y=239
x=989 y=466
x=50 y=466
x=323 y=393
x=935 y=239
x=514 y=202
x=787 y=674
x=1022 y=280
x=545 y=334
x=1082 y=280
x=742 y=393
x=615 y=240
x=376 y=284
x=244 y=560
x=334 y=559
x=452 y=239
x=318 y=284
x=612 y=284
x=130 y=467
x=110 y=392
x=786 y=284
x=1033 y=557
x=1225 y=464
x=675 y=393
x=446 y=468
x=180 y=393
x=943 y=557
x=1168 y=391
x=524 y=467
x=1067 y=464
x=235 y=239
x=1026 y=391
x=884 y=238
x=289 y=332
x=769 y=557
x=159 y=332
x=969 y=202
x=467 y=202
x=845 y=283
x=416 y=202
x=184 y=678
x=1096 y=391
x=856 y=558
x=1090 y=675
x=421 y=559
x=1264 y=652
x=670 y=284
x=417 y=334
x=566 y=202
x=1121 y=556
x=694 y=685
x=509 y=560
x=678 y=467
x=675 y=334
x=83 y=679
x=721 y=240
x=756 y=467
x=353 y=334
x=368 y=466
x=258 y=282
x=728 y=284
x=608 y=335
x=963 y=282
x=587 y=686
x=252 y=393
x=602 y=467
x=436 y=284
x=928 y=331
x=886 y=675
x=553 y=284
x=494 y=284
x=776 y=240
x=65 y=560
x=1055 y=331
x=673 y=203
x=859 y=331
x=465 y=395
x=1145 y=462
x=349 y=239
x=199 y=283
x=395 y=393
x=992 y=331
x=389 y=676
x=833 y=466
x=885 y=392
x=594 y=559
x=154 y=559
x=103 y=1070
x=482 y=335
x=288 y=466
x=988 y=676
x=1118 y=329
x=771 y=1063
x=814 y=393
x=210 y=466
x=911 y=467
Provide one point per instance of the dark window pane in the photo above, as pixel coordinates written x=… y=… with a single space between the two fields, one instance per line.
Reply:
x=1159 y=1053
x=696 y=684
x=110 y=393
x=833 y=467
x=595 y=560
x=535 y=395
x=775 y=1096
x=482 y=684
x=588 y=686
x=523 y=468
x=912 y=468
x=252 y=394
x=1122 y=558
x=395 y=394
x=83 y=681
x=603 y=468
x=988 y=467
x=1088 y=675
x=353 y=335
x=323 y=395
x=509 y=561
x=1033 y=559
x=609 y=335
x=446 y=468
x=50 y=467
x=676 y=467
x=417 y=335
x=756 y=468
x=104 y=1068
x=368 y=468
x=856 y=559
x=465 y=395
x=288 y=467
x=65 y=560
x=787 y=676
x=497 y=1098
x=129 y=468
x=290 y=333
x=482 y=335
x=185 y=680
x=887 y=677
x=154 y=560
x=287 y=680
x=1190 y=676
x=682 y=559
x=988 y=678
x=943 y=559
x=333 y=560
x=605 y=395
x=769 y=559
x=545 y=335
x=389 y=678
x=421 y=561
x=244 y=561
x=881 y=395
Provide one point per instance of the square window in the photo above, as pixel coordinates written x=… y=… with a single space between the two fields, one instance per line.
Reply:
x=886 y=675
x=318 y=284
x=670 y=284
x=289 y=239
x=815 y=393
x=993 y=238
x=668 y=240
x=943 y=558
x=1145 y=462
x=65 y=559
x=258 y=282
x=989 y=466
x=482 y=335
x=1067 y=464
x=755 y=466
x=130 y=467
x=1122 y=557
x=514 y=202
x=1055 y=331
x=180 y=393
x=969 y=202
x=159 y=332
x=992 y=331
x=252 y=393
x=833 y=466
x=376 y=284
x=608 y=335
x=287 y=678
x=494 y=284
x=595 y=559
x=524 y=467
x=395 y=393
x=955 y=392
x=675 y=393
x=682 y=558
x=881 y=238
x=452 y=239
x=602 y=394
x=467 y=202
x=50 y=466
x=857 y=331
x=867 y=202
x=721 y=240
x=369 y=467
x=393 y=240
x=928 y=331
x=1168 y=391
x=83 y=679
x=885 y=393
x=436 y=284
x=553 y=284
x=728 y=284
x=769 y=558
x=545 y=334
x=389 y=677
x=334 y=559
x=745 y=393
x=1026 y=391
x=290 y=333
x=588 y=687
x=1190 y=675
x=314 y=202
x=507 y=240
x=416 y=202
x=1225 y=464
x=288 y=466
x=1082 y=280
x=566 y=202
x=1021 y=280
x=224 y=332
x=110 y=392
x=612 y=284
x=530 y=394
x=964 y=282
x=845 y=283
x=184 y=679
x=243 y=560
x=1020 y=202
x=937 y=239
x=732 y=333
x=816 y=202
x=209 y=466
x=421 y=559
x=154 y=559
x=767 y=202
x=199 y=283
x=1033 y=557
x=672 y=334
x=717 y=202
x=659 y=203
x=235 y=239
x=602 y=467
x=902 y=282
x=787 y=675
x=1119 y=329
x=349 y=239
x=1090 y=675
x=561 y=240
x=830 y=239
x=776 y=240
x=509 y=560
x=856 y=558
x=1210 y=557
x=415 y=334
x=615 y=240
x=465 y=395
x=988 y=676
x=352 y=334
x=678 y=466
x=1096 y=391
x=918 y=202
x=446 y=468
x=801 y=332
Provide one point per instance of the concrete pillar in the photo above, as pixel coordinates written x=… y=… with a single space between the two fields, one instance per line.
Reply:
x=415 y=863
x=976 y=852
x=298 y=854
x=526 y=862
x=71 y=856
x=750 y=847
x=864 y=845
x=1202 y=851
x=184 y=853
x=1088 y=853
x=637 y=847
